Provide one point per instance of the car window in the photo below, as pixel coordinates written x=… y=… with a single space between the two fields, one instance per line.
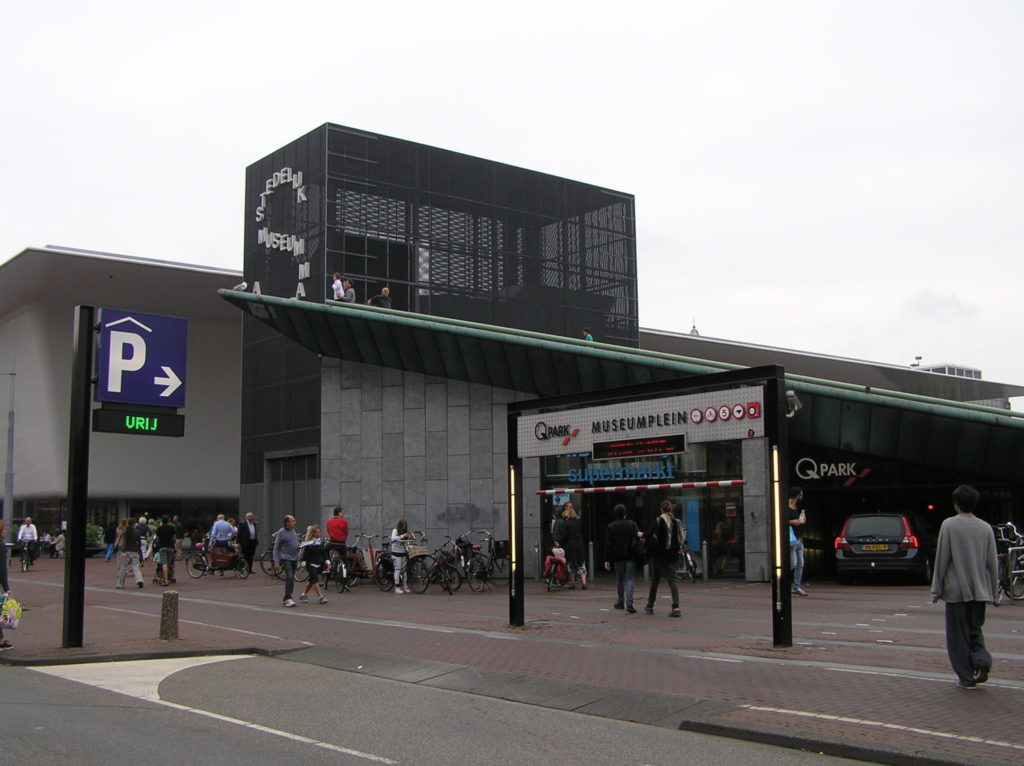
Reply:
x=875 y=526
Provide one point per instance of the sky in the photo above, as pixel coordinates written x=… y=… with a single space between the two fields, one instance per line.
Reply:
x=838 y=177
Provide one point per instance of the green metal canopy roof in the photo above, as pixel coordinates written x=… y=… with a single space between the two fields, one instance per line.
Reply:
x=887 y=424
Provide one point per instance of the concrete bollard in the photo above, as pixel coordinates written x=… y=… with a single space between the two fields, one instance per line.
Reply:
x=169 y=616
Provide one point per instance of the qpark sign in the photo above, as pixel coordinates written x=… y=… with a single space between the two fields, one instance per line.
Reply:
x=809 y=469
x=705 y=417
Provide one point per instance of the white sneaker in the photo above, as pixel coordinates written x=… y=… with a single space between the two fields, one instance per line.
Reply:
x=399 y=591
x=289 y=602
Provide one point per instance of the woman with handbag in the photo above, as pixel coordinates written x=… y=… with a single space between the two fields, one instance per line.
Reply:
x=5 y=587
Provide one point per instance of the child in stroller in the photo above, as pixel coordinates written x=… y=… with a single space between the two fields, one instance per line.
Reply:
x=556 y=571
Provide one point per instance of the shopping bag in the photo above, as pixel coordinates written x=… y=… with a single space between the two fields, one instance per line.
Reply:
x=10 y=613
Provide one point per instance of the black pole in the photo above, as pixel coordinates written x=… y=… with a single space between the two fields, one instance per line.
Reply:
x=778 y=508
x=78 y=478
x=516 y=601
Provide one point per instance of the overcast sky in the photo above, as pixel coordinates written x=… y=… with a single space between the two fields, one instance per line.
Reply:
x=836 y=177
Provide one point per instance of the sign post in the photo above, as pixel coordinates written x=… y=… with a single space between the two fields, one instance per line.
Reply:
x=78 y=479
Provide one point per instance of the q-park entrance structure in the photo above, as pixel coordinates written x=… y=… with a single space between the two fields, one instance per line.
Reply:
x=748 y=406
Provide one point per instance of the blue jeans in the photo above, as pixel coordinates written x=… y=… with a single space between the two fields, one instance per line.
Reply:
x=796 y=562
x=288 y=570
x=110 y=552
x=624 y=573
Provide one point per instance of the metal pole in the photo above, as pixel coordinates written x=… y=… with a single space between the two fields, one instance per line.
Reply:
x=8 y=509
x=516 y=600
x=78 y=478
x=778 y=473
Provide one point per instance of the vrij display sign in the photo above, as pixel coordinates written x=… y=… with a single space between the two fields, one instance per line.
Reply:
x=705 y=417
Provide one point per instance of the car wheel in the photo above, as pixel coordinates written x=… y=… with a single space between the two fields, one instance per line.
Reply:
x=926 y=572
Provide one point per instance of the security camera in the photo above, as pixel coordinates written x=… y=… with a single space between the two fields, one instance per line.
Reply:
x=793 y=403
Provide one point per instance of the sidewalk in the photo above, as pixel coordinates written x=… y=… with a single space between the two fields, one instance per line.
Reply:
x=867 y=676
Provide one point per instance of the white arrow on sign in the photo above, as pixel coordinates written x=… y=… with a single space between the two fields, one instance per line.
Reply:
x=172 y=381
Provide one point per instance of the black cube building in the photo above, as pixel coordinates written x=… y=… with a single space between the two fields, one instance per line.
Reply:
x=450 y=235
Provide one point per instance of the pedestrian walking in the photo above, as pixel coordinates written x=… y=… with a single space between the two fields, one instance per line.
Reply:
x=965 y=577
x=165 y=546
x=109 y=539
x=5 y=587
x=620 y=538
x=797 y=521
x=569 y=532
x=314 y=554
x=663 y=548
x=128 y=554
x=248 y=538
x=286 y=556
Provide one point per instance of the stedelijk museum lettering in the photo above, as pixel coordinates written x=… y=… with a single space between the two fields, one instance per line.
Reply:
x=282 y=241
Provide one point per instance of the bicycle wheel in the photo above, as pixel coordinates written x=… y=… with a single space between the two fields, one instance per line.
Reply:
x=351 y=573
x=241 y=568
x=498 y=568
x=267 y=564
x=477 y=574
x=195 y=565
x=418 y=572
x=452 y=574
x=384 y=574
x=690 y=567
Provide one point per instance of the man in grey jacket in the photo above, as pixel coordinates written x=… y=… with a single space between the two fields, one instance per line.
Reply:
x=965 y=577
x=286 y=556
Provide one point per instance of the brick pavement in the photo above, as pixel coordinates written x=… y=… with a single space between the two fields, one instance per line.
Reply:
x=868 y=668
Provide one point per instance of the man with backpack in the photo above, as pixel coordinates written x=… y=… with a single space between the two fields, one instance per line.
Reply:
x=664 y=540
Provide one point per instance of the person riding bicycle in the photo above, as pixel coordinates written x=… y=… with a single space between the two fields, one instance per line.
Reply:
x=337 y=533
x=222 y=533
x=28 y=538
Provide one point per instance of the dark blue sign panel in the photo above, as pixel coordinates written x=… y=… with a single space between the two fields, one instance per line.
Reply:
x=141 y=358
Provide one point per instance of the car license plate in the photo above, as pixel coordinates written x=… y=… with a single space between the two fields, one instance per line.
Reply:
x=876 y=547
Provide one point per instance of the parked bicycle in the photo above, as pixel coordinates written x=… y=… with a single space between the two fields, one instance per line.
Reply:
x=346 y=571
x=384 y=569
x=439 y=567
x=490 y=565
x=266 y=560
x=1010 y=552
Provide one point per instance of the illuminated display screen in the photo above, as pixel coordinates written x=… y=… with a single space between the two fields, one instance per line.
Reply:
x=140 y=422
x=626 y=448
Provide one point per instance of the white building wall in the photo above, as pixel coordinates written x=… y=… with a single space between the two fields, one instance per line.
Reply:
x=203 y=463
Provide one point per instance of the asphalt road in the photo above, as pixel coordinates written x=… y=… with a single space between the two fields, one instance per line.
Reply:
x=263 y=710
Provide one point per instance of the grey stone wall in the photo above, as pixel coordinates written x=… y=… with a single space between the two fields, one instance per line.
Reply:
x=430 y=450
x=756 y=527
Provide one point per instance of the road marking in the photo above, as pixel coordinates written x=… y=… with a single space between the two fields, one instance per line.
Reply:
x=884 y=725
x=210 y=625
x=141 y=679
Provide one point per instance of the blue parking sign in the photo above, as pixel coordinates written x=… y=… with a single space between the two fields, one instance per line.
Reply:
x=141 y=358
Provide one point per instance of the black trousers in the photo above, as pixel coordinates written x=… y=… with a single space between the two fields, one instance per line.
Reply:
x=965 y=644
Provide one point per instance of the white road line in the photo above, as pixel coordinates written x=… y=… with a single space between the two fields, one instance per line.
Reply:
x=141 y=679
x=210 y=625
x=883 y=725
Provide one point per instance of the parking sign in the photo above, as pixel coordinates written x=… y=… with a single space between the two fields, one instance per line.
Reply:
x=141 y=358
